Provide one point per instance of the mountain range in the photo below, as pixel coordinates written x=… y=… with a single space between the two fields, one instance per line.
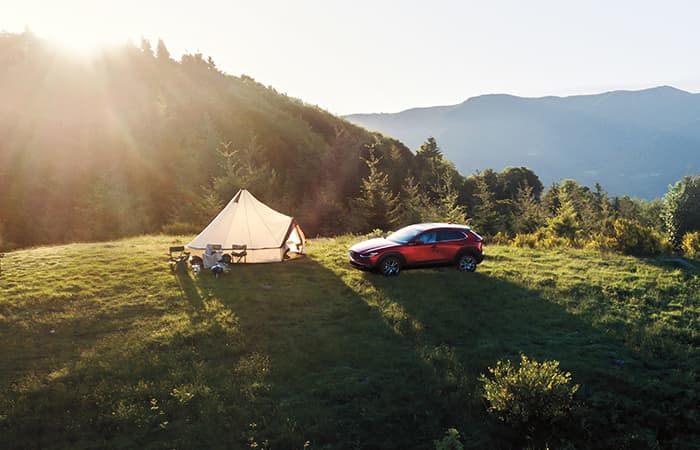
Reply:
x=633 y=143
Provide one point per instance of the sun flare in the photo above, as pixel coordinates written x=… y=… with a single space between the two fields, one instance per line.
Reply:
x=83 y=42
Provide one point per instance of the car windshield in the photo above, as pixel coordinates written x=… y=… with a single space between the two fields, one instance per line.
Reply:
x=404 y=234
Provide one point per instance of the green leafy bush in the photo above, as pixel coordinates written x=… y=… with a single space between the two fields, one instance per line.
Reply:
x=602 y=242
x=450 y=441
x=632 y=238
x=691 y=243
x=528 y=240
x=530 y=398
x=546 y=239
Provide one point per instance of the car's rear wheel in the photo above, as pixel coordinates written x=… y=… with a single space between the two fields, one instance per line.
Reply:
x=390 y=266
x=466 y=263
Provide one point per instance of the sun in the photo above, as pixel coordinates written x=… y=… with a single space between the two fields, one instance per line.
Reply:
x=82 y=41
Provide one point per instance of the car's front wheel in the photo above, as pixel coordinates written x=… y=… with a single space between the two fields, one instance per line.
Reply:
x=466 y=263
x=390 y=266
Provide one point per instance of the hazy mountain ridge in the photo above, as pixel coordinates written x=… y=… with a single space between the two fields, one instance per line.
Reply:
x=632 y=142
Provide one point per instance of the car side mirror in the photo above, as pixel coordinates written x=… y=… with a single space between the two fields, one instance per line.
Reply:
x=418 y=242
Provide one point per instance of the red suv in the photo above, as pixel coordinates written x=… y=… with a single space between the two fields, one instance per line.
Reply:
x=420 y=244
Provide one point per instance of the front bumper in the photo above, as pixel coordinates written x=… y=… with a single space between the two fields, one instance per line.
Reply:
x=361 y=263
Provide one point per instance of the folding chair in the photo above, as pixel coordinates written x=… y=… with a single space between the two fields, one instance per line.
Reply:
x=239 y=252
x=178 y=259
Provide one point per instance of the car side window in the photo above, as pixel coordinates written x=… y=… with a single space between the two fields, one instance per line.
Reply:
x=428 y=237
x=450 y=235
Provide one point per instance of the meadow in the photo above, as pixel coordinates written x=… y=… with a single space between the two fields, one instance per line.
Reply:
x=104 y=347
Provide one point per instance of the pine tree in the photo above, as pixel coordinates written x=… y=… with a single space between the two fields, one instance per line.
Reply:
x=413 y=202
x=448 y=208
x=429 y=150
x=565 y=224
x=551 y=200
x=485 y=217
x=377 y=206
x=162 y=52
x=146 y=47
x=528 y=214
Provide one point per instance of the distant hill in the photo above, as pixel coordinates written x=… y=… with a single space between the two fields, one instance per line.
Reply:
x=632 y=142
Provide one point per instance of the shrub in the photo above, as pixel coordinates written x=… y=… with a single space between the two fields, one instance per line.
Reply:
x=691 y=243
x=681 y=209
x=529 y=240
x=602 y=242
x=180 y=228
x=545 y=238
x=499 y=238
x=450 y=441
x=633 y=238
x=530 y=398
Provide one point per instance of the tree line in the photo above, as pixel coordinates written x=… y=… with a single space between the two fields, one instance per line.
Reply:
x=513 y=207
x=134 y=142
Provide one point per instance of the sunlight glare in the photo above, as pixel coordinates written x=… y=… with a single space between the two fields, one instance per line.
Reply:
x=83 y=41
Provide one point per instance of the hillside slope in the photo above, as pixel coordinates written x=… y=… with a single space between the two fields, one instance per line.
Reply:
x=126 y=141
x=104 y=347
x=632 y=142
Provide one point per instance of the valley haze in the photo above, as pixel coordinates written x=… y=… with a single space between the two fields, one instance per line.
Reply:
x=633 y=143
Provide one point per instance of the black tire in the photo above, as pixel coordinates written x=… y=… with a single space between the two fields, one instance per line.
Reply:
x=390 y=266
x=466 y=263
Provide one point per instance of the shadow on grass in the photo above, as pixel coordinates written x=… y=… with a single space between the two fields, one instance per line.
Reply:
x=470 y=321
x=277 y=355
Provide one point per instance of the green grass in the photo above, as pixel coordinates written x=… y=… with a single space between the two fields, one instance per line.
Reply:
x=103 y=347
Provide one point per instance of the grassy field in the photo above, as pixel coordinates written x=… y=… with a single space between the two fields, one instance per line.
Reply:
x=103 y=347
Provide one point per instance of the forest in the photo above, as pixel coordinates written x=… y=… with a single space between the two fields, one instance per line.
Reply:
x=133 y=142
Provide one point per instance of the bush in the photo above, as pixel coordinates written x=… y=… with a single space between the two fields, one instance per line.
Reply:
x=545 y=238
x=602 y=242
x=691 y=243
x=499 y=238
x=632 y=238
x=180 y=228
x=529 y=240
x=531 y=398
x=450 y=441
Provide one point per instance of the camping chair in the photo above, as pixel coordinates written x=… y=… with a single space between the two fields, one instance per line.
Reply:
x=239 y=252
x=178 y=259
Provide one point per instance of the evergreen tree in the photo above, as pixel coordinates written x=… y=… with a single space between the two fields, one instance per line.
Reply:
x=414 y=203
x=377 y=206
x=429 y=150
x=241 y=169
x=551 y=201
x=448 y=208
x=528 y=214
x=565 y=224
x=146 y=47
x=162 y=52
x=485 y=216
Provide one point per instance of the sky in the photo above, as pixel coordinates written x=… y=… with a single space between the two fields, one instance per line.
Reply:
x=388 y=56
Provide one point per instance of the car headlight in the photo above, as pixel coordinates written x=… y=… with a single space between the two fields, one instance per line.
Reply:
x=369 y=255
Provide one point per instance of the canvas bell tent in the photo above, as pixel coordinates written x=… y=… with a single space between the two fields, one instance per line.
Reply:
x=268 y=234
